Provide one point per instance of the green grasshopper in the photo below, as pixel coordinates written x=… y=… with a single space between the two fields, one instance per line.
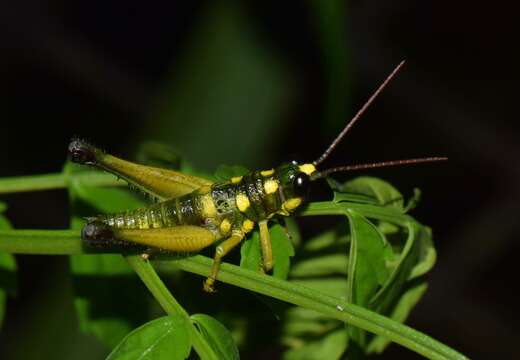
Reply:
x=194 y=213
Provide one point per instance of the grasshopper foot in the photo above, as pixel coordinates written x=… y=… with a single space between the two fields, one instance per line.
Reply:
x=149 y=253
x=208 y=285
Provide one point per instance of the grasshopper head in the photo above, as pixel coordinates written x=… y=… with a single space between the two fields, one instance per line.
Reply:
x=295 y=182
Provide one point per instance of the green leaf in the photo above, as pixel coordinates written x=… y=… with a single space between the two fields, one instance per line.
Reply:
x=367 y=270
x=99 y=279
x=250 y=252
x=217 y=335
x=301 y=324
x=368 y=253
x=332 y=346
x=109 y=298
x=333 y=286
x=367 y=187
x=413 y=201
x=293 y=230
x=226 y=172
x=321 y=266
x=163 y=338
x=426 y=253
x=400 y=313
x=392 y=289
x=283 y=250
x=326 y=239
x=8 y=284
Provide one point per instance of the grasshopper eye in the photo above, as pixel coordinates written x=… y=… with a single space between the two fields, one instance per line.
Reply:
x=301 y=185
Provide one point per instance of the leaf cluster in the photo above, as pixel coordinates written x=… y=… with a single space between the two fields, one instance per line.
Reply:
x=353 y=284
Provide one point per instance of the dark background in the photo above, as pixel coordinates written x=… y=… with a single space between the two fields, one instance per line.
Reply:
x=259 y=84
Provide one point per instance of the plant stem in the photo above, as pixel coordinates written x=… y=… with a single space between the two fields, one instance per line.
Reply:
x=41 y=242
x=67 y=241
x=325 y=304
x=55 y=181
x=169 y=304
x=370 y=211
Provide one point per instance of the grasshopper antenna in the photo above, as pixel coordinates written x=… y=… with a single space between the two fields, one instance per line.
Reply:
x=326 y=172
x=358 y=115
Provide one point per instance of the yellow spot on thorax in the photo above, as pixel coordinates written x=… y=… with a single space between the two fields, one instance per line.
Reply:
x=208 y=206
x=307 y=168
x=247 y=225
x=270 y=186
x=292 y=204
x=242 y=202
x=236 y=179
x=267 y=173
x=225 y=226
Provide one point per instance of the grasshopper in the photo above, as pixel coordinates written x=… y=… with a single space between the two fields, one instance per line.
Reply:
x=194 y=213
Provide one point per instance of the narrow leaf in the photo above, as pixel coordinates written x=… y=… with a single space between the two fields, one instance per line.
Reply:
x=377 y=189
x=427 y=254
x=367 y=270
x=392 y=288
x=217 y=335
x=399 y=314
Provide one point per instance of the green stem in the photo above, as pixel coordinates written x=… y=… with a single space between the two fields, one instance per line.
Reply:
x=169 y=304
x=56 y=242
x=54 y=181
x=370 y=211
x=325 y=304
x=41 y=242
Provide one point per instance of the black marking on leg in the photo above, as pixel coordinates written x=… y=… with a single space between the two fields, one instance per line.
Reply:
x=82 y=153
x=97 y=230
x=98 y=234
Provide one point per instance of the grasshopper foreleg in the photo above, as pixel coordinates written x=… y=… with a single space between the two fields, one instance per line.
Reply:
x=265 y=243
x=221 y=251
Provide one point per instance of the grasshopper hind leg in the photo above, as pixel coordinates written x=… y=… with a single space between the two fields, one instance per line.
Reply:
x=158 y=182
